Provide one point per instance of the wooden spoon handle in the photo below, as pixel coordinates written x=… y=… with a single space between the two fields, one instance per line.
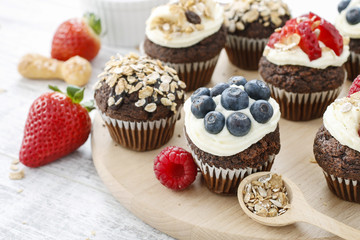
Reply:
x=329 y=224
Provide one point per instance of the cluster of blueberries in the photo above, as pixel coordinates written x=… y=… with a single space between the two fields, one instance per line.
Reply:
x=232 y=98
x=352 y=15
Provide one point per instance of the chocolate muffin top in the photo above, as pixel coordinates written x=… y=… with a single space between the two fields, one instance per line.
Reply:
x=335 y=158
x=255 y=18
x=337 y=143
x=301 y=79
x=134 y=88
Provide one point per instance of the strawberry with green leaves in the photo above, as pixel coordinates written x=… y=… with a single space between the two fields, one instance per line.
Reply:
x=57 y=124
x=77 y=36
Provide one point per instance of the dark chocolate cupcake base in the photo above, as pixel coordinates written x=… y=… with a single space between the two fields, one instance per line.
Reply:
x=245 y=53
x=352 y=66
x=141 y=136
x=195 y=74
x=223 y=174
x=303 y=106
x=340 y=165
x=345 y=189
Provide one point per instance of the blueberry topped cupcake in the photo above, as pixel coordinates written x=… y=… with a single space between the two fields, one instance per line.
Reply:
x=188 y=36
x=232 y=131
x=303 y=65
x=337 y=146
x=249 y=24
x=140 y=100
x=348 y=24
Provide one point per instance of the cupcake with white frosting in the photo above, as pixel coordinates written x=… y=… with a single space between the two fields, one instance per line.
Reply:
x=348 y=24
x=337 y=147
x=188 y=36
x=232 y=131
x=303 y=66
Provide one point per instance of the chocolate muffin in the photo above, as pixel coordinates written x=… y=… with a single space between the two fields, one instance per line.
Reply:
x=140 y=100
x=337 y=145
x=249 y=25
x=187 y=36
x=348 y=24
x=232 y=131
x=303 y=66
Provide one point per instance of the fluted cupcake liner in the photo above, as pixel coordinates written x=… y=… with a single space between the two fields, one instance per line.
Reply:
x=141 y=136
x=303 y=106
x=345 y=189
x=352 y=66
x=226 y=181
x=195 y=74
x=245 y=52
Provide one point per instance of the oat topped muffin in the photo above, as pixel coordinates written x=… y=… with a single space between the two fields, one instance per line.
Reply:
x=134 y=89
x=188 y=36
x=249 y=24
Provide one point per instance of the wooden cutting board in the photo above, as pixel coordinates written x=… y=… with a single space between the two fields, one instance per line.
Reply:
x=197 y=213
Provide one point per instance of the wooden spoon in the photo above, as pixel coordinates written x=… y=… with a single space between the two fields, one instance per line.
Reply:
x=300 y=211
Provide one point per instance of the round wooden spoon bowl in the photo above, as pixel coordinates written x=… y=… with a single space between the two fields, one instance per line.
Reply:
x=299 y=211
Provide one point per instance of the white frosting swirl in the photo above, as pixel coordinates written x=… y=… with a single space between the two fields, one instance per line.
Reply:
x=342 y=119
x=182 y=38
x=295 y=56
x=346 y=29
x=224 y=143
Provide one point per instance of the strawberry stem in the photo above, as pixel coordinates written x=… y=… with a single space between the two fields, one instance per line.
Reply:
x=76 y=95
x=94 y=22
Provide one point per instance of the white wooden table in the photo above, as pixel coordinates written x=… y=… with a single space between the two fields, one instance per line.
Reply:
x=65 y=199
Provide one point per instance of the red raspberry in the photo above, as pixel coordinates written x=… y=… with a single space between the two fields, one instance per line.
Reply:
x=175 y=168
x=355 y=86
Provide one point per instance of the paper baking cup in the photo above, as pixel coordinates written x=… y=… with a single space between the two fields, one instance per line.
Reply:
x=123 y=21
x=346 y=189
x=141 y=136
x=196 y=74
x=303 y=106
x=245 y=52
x=226 y=181
x=352 y=66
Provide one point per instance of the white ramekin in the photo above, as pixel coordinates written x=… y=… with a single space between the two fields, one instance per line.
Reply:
x=123 y=21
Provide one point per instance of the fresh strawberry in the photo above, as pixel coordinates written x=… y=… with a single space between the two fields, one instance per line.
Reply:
x=56 y=126
x=355 y=86
x=78 y=36
x=331 y=37
x=308 y=41
x=313 y=17
x=274 y=38
x=311 y=29
x=175 y=168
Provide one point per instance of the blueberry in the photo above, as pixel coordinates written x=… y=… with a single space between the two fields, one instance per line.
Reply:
x=353 y=15
x=201 y=105
x=218 y=89
x=261 y=111
x=342 y=5
x=214 y=122
x=234 y=98
x=257 y=89
x=199 y=92
x=237 y=80
x=238 y=124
